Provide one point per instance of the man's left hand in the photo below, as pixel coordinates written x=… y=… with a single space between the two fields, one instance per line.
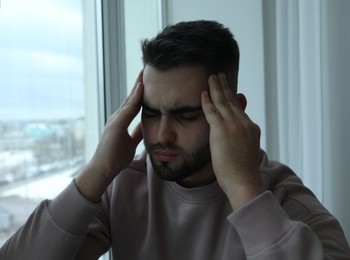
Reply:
x=234 y=142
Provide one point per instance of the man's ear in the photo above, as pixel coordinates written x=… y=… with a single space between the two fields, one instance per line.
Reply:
x=241 y=100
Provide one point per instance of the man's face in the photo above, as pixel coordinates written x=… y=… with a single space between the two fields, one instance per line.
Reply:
x=176 y=133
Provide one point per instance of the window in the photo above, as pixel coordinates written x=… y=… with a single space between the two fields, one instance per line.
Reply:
x=49 y=108
x=55 y=95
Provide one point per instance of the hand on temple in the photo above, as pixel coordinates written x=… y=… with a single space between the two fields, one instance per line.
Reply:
x=234 y=142
x=116 y=148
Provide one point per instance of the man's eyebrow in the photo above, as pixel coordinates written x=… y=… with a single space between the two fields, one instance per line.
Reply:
x=185 y=109
x=148 y=108
x=177 y=110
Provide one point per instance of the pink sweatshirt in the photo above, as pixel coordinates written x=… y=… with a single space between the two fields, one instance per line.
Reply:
x=144 y=217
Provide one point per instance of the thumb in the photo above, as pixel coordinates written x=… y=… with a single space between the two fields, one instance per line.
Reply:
x=137 y=134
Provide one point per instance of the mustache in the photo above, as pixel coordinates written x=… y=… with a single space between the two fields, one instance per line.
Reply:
x=165 y=146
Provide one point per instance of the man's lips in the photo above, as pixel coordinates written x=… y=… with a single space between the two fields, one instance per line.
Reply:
x=165 y=156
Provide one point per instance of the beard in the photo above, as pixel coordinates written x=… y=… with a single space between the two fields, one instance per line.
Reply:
x=191 y=162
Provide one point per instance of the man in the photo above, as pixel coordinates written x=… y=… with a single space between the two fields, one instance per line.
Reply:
x=203 y=190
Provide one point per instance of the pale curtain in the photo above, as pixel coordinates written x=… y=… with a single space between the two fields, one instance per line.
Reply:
x=307 y=75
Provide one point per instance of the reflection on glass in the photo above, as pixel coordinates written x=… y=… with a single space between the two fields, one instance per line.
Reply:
x=42 y=106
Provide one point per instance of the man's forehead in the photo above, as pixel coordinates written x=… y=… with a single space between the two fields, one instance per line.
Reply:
x=175 y=109
x=173 y=89
x=182 y=105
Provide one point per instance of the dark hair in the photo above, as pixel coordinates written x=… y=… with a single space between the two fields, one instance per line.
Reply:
x=196 y=43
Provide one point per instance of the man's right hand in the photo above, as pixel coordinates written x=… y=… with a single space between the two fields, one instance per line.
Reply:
x=116 y=148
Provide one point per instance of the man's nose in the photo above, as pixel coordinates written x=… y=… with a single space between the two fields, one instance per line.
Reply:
x=166 y=131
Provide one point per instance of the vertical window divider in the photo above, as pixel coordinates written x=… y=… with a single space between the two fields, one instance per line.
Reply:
x=114 y=60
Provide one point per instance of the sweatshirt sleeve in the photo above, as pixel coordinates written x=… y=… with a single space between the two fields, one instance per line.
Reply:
x=57 y=229
x=267 y=232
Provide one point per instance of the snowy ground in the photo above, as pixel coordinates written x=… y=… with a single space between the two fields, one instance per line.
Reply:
x=18 y=200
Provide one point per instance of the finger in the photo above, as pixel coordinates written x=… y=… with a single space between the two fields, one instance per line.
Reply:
x=218 y=97
x=132 y=93
x=138 y=80
x=225 y=87
x=231 y=98
x=130 y=109
x=127 y=112
x=211 y=113
x=229 y=95
x=137 y=134
x=238 y=111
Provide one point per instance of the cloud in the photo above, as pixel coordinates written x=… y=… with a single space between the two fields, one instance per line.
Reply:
x=41 y=59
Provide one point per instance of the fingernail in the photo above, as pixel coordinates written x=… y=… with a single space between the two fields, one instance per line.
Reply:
x=213 y=77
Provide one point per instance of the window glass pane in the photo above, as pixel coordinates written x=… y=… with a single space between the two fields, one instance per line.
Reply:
x=45 y=129
x=146 y=26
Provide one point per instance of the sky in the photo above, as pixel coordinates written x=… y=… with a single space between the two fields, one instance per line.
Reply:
x=41 y=59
